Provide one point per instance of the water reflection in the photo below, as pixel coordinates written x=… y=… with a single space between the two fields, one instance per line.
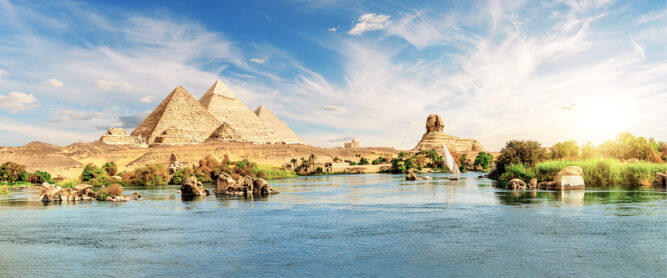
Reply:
x=588 y=196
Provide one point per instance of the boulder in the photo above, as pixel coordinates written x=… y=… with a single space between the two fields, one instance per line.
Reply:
x=516 y=184
x=660 y=179
x=411 y=176
x=175 y=166
x=117 y=199
x=193 y=187
x=226 y=184
x=570 y=177
x=50 y=193
x=533 y=183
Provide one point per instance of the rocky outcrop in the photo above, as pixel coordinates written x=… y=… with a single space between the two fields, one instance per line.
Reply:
x=193 y=187
x=82 y=192
x=516 y=184
x=533 y=183
x=175 y=167
x=570 y=177
x=660 y=179
x=412 y=176
x=434 y=137
x=226 y=184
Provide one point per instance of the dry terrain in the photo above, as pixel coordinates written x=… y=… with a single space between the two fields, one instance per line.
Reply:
x=68 y=161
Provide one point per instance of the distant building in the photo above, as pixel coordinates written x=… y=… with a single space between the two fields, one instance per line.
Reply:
x=352 y=145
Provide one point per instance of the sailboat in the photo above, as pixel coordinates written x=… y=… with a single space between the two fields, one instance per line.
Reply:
x=450 y=163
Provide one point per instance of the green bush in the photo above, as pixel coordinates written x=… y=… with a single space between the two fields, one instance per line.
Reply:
x=110 y=168
x=150 y=175
x=39 y=177
x=483 y=159
x=181 y=175
x=90 y=171
x=528 y=153
x=11 y=172
x=565 y=149
x=517 y=171
x=363 y=161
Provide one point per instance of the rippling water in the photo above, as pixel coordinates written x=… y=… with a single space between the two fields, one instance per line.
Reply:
x=369 y=225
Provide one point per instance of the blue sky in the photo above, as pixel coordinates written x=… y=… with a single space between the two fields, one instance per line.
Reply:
x=494 y=70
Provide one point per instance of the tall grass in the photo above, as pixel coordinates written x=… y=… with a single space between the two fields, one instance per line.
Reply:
x=517 y=171
x=604 y=172
x=272 y=172
x=68 y=183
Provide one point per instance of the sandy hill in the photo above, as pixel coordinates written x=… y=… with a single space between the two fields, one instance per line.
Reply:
x=68 y=161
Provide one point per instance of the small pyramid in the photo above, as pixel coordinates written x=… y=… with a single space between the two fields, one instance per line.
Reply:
x=223 y=104
x=282 y=130
x=226 y=133
x=178 y=110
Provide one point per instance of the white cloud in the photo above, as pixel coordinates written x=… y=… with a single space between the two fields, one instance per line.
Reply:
x=17 y=101
x=370 y=22
x=70 y=115
x=110 y=85
x=258 y=60
x=54 y=83
x=147 y=99
x=335 y=109
x=333 y=29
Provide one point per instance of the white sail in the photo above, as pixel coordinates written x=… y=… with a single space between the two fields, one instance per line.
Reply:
x=449 y=161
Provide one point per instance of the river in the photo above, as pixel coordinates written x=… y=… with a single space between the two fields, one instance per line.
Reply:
x=350 y=225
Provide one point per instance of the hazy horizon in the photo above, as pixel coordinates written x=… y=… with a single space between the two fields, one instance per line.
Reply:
x=494 y=70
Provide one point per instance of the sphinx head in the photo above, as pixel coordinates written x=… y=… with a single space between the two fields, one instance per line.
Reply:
x=434 y=123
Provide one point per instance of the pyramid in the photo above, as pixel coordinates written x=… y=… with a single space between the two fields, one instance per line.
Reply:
x=180 y=112
x=223 y=104
x=225 y=133
x=281 y=129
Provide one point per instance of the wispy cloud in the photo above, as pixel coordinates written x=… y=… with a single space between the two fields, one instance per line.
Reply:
x=370 y=22
x=70 y=115
x=111 y=85
x=147 y=99
x=54 y=83
x=258 y=60
x=17 y=101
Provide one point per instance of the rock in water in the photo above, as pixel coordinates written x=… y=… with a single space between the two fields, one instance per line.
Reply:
x=225 y=184
x=660 y=179
x=192 y=187
x=571 y=177
x=411 y=176
x=533 y=183
x=50 y=193
x=516 y=184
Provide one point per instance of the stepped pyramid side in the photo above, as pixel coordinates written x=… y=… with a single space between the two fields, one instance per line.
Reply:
x=223 y=104
x=183 y=115
x=225 y=133
x=282 y=130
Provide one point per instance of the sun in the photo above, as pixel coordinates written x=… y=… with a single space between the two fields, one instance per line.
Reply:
x=603 y=119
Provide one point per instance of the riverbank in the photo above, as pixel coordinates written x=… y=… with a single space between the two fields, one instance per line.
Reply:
x=597 y=172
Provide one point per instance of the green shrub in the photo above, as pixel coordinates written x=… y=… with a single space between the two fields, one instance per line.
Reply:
x=39 y=177
x=363 y=161
x=90 y=171
x=483 y=159
x=11 y=172
x=150 y=175
x=181 y=175
x=110 y=168
x=103 y=181
x=528 y=153
x=68 y=183
x=565 y=149
x=517 y=171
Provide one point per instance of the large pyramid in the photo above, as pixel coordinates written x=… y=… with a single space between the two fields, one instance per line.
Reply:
x=281 y=129
x=179 y=115
x=221 y=102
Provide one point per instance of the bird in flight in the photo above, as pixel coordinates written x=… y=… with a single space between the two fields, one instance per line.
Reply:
x=569 y=108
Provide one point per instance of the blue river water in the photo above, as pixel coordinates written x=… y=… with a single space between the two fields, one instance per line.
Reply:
x=376 y=225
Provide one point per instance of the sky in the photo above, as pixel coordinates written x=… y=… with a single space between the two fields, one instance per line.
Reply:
x=334 y=70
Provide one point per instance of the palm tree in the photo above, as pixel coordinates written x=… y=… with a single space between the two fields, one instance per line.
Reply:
x=293 y=161
x=311 y=161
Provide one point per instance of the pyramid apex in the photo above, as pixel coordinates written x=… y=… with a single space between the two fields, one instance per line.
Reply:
x=220 y=89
